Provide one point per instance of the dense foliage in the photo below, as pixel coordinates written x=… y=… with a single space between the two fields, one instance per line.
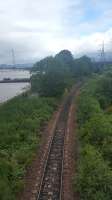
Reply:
x=83 y=67
x=53 y=80
x=94 y=177
x=21 y=120
x=52 y=75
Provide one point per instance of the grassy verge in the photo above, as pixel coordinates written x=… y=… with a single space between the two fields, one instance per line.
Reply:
x=94 y=176
x=20 y=122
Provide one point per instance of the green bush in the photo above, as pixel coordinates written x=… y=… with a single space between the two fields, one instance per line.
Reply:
x=104 y=90
x=88 y=106
x=21 y=120
x=94 y=176
x=96 y=130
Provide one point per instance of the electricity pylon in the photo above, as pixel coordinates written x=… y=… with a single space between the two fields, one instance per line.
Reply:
x=102 y=55
x=13 y=57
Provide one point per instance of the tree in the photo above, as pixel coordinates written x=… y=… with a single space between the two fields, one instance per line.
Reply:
x=83 y=67
x=52 y=74
x=42 y=65
x=52 y=81
x=65 y=57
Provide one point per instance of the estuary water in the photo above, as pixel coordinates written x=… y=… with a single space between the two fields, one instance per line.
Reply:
x=9 y=90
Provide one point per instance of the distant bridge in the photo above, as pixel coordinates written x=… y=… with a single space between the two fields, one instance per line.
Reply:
x=8 y=80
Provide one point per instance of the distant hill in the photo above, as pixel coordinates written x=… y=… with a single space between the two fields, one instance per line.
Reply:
x=17 y=66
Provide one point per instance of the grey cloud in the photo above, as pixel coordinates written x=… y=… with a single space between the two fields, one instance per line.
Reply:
x=37 y=28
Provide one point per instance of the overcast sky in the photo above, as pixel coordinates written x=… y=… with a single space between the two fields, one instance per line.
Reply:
x=37 y=28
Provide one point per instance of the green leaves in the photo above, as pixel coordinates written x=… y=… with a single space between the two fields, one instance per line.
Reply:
x=88 y=106
x=94 y=177
x=97 y=129
x=52 y=75
x=52 y=78
x=21 y=120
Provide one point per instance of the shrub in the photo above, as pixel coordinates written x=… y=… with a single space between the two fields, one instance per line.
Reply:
x=97 y=129
x=21 y=120
x=88 y=106
x=94 y=176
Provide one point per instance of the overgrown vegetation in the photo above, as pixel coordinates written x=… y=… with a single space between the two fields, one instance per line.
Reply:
x=20 y=122
x=94 y=176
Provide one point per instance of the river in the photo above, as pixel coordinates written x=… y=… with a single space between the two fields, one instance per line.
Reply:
x=9 y=90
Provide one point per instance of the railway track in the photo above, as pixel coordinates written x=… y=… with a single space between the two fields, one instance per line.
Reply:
x=51 y=181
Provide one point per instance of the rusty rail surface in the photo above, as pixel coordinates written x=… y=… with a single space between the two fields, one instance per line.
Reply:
x=51 y=181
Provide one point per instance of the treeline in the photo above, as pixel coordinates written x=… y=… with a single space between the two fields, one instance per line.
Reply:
x=21 y=120
x=52 y=75
x=94 y=176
